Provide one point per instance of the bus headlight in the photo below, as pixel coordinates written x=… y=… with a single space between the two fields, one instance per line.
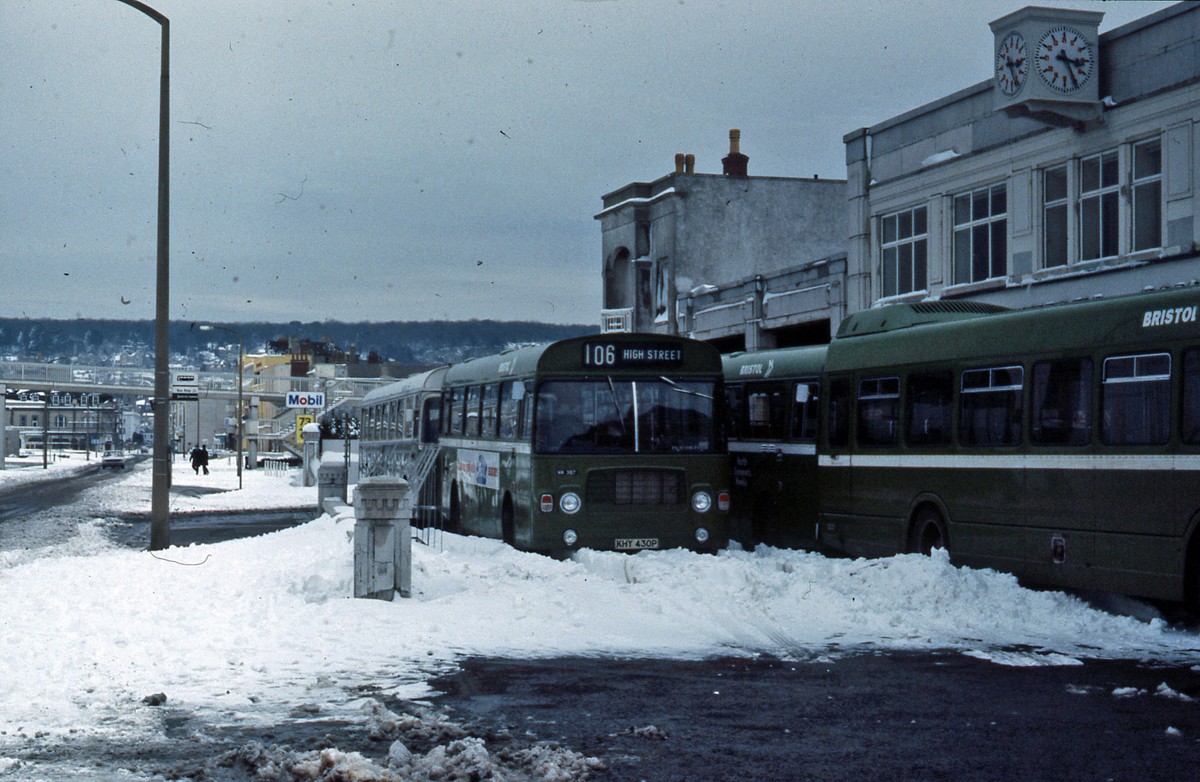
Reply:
x=569 y=502
x=701 y=535
x=701 y=502
x=570 y=537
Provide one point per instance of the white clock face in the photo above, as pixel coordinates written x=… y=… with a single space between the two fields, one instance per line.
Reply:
x=1065 y=59
x=1012 y=64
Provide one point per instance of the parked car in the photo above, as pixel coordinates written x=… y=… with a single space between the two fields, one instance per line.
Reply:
x=113 y=460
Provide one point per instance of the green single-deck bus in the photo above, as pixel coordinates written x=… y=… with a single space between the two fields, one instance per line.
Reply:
x=772 y=402
x=1060 y=443
x=606 y=442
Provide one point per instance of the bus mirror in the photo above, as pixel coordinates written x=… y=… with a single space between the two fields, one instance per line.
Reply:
x=802 y=393
x=518 y=391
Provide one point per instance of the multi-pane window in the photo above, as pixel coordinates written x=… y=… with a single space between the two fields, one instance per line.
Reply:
x=1054 y=216
x=1147 y=195
x=981 y=234
x=1136 y=399
x=991 y=406
x=1099 y=206
x=904 y=242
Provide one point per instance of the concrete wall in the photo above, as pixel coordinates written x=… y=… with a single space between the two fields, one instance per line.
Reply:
x=661 y=240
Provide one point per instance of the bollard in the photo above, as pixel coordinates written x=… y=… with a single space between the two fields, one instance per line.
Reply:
x=382 y=538
x=331 y=481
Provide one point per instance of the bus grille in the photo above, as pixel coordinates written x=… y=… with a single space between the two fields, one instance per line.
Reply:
x=635 y=487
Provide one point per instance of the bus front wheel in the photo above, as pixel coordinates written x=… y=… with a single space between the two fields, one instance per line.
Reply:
x=928 y=532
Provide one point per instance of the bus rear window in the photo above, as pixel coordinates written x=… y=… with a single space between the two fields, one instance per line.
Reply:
x=1136 y=399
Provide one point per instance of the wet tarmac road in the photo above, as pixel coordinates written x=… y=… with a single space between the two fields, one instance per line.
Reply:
x=898 y=716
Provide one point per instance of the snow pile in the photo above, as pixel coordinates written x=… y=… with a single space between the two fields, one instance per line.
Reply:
x=25 y=470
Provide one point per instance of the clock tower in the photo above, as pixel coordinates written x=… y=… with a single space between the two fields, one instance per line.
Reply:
x=1046 y=64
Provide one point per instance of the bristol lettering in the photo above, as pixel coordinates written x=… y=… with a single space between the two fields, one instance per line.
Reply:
x=1168 y=317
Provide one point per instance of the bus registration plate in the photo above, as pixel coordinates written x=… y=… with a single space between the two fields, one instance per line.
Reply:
x=630 y=544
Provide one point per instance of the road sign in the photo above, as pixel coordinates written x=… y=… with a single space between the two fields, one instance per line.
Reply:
x=185 y=387
x=301 y=422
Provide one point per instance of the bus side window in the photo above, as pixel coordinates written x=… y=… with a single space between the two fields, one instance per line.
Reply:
x=804 y=410
x=510 y=407
x=525 y=431
x=1191 y=397
x=491 y=410
x=454 y=406
x=1136 y=399
x=766 y=411
x=840 y=402
x=474 y=395
x=879 y=411
x=1062 y=402
x=990 y=406
x=929 y=408
x=734 y=410
x=431 y=419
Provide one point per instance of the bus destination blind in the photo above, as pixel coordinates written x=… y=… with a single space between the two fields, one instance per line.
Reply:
x=629 y=355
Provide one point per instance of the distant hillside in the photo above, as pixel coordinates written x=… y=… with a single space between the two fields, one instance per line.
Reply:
x=131 y=342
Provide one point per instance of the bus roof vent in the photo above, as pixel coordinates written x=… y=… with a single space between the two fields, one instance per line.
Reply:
x=903 y=316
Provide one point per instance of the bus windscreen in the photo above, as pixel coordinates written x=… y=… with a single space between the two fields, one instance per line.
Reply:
x=617 y=416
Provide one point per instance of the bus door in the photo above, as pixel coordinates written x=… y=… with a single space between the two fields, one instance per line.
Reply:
x=836 y=482
x=765 y=432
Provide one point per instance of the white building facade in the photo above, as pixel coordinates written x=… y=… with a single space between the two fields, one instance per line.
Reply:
x=1072 y=173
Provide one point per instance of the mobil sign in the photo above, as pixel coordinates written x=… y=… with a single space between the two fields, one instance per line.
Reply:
x=305 y=399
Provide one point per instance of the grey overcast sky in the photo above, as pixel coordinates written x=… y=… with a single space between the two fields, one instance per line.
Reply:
x=396 y=160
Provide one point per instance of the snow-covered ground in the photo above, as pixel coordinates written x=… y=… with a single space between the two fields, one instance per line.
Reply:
x=246 y=631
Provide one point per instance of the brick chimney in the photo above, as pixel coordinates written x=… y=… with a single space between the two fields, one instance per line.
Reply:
x=734 y=164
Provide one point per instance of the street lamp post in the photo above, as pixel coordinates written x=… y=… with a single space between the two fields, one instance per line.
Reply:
x=160 y=500
x=238 y=417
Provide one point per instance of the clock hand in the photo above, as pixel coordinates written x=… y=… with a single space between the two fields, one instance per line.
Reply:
x=1062 y=56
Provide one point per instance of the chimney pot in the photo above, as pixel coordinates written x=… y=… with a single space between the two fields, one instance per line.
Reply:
x=678 y=162
x=734 y=164
x=689 y=163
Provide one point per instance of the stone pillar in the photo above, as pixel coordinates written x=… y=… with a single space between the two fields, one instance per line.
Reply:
x=382 y=538
x=859 y=295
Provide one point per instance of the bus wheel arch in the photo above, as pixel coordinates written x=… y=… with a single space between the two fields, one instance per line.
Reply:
x=927 y=527
x=508 y=532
